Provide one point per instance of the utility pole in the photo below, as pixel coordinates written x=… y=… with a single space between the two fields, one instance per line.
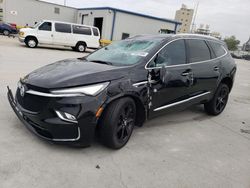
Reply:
x=195 y=13
x=65 y=2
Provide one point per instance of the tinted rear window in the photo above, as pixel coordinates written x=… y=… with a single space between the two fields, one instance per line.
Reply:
x=95 y=31
x=63 y=28
x=217 y=48
x=81 y=30
x=198 y=50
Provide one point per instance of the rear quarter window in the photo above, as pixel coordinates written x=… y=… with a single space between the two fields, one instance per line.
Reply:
x=81 y=30
x=217 y=48
x=198 y=50
x=63 y=28
x=95 y=31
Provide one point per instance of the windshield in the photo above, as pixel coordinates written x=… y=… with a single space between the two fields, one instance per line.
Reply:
x=36 y=25
x=125 y=52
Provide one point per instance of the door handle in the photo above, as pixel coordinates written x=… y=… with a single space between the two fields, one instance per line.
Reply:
x=185 y=73
x=216 y=68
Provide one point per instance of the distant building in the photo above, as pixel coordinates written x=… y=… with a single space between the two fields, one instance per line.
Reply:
x=246 y=46
x=203 y=30
x=114 y=24
x=27 y=12
x=216 y=35
x=185 y=16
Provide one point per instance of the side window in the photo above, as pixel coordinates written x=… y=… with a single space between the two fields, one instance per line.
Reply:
x=198 y=50
x=95 y=31
x=63 y=28
x=217 y=48
x=46 y=26
x=81 y=30
x=173 y=54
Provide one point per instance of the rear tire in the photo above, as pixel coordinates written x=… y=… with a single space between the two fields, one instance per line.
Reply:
x=117 y=123
x=6 y=33
x=219 y=101
x=31 y=42
x=81 y=47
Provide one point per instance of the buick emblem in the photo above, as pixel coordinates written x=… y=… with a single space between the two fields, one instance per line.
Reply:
x=22 y=91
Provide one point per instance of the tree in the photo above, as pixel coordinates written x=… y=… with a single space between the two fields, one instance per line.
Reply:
x=232 y=43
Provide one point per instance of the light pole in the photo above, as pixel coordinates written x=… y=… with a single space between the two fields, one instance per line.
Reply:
x=65 y=2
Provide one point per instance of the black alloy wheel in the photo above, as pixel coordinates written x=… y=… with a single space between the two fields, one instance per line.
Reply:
x=117 y=123
x=219 y=101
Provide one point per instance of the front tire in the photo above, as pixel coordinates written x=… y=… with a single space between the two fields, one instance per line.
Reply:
x=219 y=101
x=117 y=123
x=31 y=42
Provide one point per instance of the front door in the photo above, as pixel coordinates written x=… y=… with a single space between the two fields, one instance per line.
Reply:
x=44 y=33
x=170 y=78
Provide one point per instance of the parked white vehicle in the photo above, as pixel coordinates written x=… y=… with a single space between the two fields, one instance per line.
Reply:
x=77 y=36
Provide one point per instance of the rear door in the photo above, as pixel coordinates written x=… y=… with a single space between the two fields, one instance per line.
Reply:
x=63 y=34
x=85 y=34
x=204 y=66
x=175 y=89
x=44 y=33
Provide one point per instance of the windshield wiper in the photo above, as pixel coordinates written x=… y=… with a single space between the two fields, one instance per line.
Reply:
x=102 y=62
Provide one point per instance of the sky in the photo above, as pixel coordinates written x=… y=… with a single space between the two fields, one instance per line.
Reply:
x=229 y=17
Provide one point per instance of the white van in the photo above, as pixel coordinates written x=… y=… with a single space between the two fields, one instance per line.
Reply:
x=77 y=36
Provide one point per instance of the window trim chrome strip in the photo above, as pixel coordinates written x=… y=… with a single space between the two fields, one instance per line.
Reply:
x=183 y=38
x=69 y=140
x=32 y=92
x=180 y=102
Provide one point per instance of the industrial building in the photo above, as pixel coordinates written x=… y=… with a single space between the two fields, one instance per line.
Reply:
x=114 y=24
x=27 y=12
x=185 y=16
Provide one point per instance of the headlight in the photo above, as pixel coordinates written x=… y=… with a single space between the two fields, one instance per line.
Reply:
x=21 y=33
x=92 y=90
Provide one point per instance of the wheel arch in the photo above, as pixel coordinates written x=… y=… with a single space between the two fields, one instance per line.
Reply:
x=228 y=81
x=79 y=42
x=30 y=36
x=141 y=113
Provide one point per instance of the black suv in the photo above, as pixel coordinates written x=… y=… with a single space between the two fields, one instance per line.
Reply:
x=121 y=85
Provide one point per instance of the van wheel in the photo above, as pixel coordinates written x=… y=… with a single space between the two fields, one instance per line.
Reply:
x=6 y=33
x=31 y=42
x=81 y=47
x=117 y=123
x=219 y=101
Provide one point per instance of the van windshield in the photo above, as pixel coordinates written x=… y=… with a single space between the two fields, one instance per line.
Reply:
x=36 y=25
x=125 y=52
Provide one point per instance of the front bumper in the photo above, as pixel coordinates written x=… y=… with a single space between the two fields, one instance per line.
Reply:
x=53 y=128
x=21 y=39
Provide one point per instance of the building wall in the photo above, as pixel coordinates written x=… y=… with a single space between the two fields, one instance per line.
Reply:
x=24 y=12
x=135 y=25
x=90 y=15
x=124 y=23
x=185 y=16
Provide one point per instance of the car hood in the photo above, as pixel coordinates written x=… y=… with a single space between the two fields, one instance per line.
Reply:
x=26 y=29
x=73 y=72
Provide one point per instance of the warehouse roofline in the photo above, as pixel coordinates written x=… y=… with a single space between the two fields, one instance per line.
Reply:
x=132 y=13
